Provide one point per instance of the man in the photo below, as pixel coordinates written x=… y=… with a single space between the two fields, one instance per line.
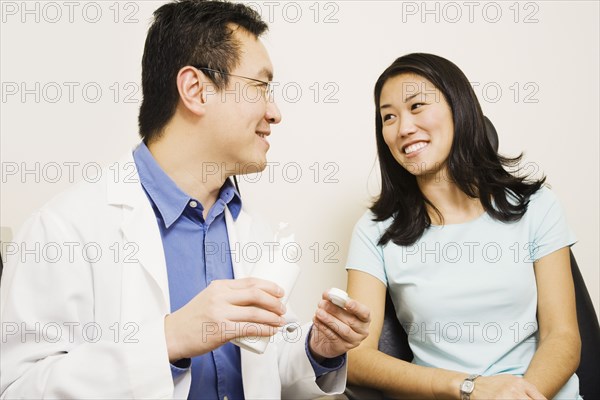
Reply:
x=139 y=304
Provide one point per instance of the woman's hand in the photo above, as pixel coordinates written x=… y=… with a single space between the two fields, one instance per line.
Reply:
x=505 y=386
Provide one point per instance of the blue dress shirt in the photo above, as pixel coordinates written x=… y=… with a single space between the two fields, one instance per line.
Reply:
x=196 y=253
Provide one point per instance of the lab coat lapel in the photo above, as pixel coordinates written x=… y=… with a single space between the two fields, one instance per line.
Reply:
x=238 y=232
x=259 y=375
x=139 y=226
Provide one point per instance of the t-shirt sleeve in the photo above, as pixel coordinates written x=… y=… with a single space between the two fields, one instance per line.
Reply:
x=550 y=231
x=365 y=254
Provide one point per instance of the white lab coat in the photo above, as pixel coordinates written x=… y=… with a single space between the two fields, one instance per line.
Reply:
x=90 y=323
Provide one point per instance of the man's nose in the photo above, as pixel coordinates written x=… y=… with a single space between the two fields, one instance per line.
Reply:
x=272 y=114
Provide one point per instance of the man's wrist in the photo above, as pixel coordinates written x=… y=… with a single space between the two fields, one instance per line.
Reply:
x=173 y=342
x=317 y=357
x=322 y=365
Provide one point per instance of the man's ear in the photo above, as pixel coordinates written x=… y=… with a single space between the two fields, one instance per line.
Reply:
x=193 y=87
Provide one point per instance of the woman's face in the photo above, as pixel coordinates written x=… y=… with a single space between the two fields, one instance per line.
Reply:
x=417 y=124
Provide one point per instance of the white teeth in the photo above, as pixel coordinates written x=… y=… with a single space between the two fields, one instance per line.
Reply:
x=414 y=147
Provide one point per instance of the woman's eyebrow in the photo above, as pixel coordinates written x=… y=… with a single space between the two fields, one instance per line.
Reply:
x=412 y=96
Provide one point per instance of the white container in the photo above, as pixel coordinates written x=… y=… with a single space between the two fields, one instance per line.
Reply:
x=284 y=271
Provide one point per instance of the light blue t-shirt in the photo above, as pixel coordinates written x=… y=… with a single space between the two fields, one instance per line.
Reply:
x=466 y=293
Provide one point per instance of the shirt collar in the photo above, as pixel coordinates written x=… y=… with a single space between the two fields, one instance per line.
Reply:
x=167 y=196
x=231 y=197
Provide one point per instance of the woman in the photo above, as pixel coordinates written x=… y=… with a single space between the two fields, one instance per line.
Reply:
x=476 y=260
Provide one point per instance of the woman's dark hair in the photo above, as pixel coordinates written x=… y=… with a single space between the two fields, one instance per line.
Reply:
x=473 y=164
x=188 y=32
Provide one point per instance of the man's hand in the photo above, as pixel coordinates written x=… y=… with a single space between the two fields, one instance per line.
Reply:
x=225 y=310
x=336 y=330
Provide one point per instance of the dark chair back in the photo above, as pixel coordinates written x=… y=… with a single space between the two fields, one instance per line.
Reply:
x=589 y=330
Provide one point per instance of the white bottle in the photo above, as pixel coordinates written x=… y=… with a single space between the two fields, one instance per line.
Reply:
x=280 y=267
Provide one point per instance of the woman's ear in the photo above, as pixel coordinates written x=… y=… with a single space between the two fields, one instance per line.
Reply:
x=192 y=86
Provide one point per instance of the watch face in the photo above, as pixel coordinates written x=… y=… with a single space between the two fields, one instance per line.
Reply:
x=467 y=386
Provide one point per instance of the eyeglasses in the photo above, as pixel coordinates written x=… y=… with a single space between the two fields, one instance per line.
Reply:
x=267 y=87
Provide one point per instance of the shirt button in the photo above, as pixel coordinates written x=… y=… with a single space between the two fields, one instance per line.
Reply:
x=225 y=398
x=193 y=204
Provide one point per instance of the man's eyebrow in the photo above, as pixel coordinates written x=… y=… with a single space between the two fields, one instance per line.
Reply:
x=266 y=72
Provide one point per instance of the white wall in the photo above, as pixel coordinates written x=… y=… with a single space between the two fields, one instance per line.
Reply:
x=547 y=71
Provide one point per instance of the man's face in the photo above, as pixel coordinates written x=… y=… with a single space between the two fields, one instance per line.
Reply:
x=240 y=115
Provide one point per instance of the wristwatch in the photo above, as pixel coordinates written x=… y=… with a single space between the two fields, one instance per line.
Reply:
x=467 y=387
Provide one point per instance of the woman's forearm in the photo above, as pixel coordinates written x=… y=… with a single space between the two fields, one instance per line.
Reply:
x=554 y=362
x=401 y=379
